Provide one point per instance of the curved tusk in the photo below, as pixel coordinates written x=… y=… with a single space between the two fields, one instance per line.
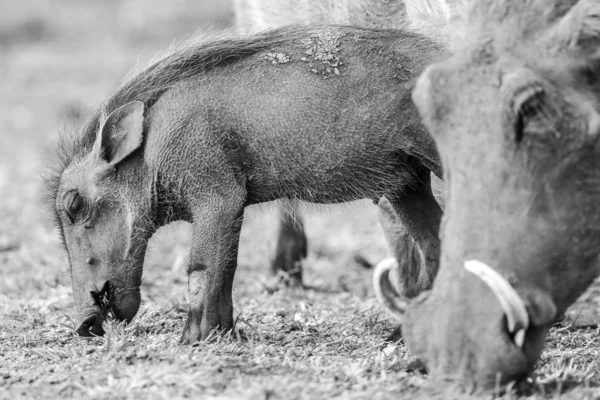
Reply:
x=394 y=303
x=513 y=306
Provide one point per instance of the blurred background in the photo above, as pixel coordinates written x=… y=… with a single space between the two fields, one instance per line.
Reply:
x=59 y=59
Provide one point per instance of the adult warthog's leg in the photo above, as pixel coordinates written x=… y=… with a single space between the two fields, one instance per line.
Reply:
x=291 y=246
x=411 y=221
x=213 y=261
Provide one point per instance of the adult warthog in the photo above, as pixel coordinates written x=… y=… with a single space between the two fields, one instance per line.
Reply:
x=515 y=114
x=316 y=114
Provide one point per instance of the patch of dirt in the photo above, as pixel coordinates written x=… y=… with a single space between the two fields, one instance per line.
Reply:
x=321 y=52
x=277 y=58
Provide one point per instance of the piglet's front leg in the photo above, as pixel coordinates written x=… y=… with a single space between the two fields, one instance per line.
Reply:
x=211 y=270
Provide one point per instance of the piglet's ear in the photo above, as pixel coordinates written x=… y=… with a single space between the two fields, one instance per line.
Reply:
x=122 y=133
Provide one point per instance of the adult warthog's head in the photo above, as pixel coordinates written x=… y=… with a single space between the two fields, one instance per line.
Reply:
x=102 y=215
x=515 y=114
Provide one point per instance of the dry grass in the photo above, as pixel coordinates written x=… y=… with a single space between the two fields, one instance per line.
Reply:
x=57 y=60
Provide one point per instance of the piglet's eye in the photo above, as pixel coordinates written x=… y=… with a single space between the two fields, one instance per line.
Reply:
x=74 y=205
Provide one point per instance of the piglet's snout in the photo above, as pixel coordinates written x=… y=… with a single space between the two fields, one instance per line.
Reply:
x=96 y=312
x=91 y=326
x=124 y=305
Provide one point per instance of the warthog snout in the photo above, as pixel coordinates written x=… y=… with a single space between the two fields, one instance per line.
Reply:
x=513 y=306
x=94 y=315
x=91 y=326
x=512 y=324
x=517 y=318
x=122 y=305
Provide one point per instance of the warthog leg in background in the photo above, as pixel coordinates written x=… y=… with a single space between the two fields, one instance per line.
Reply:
x=291 y=244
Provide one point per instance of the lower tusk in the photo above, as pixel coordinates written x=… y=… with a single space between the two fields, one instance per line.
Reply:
x=519 y=338
x=394 y=303
x=516 y=313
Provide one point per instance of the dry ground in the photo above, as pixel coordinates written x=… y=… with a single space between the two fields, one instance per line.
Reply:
x=58 y=59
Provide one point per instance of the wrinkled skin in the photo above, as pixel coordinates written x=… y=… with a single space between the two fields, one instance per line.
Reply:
x=222 y=125
x=515 y=116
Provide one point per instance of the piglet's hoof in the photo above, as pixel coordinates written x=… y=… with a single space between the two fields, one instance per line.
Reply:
x=204 y=322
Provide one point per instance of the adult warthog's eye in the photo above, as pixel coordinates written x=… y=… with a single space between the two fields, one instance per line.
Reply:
x=75 y=205
x=532 y=111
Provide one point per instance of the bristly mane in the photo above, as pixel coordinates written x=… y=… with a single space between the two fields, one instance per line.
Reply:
x=441 y=20
x=510 y=22
x=187 y=61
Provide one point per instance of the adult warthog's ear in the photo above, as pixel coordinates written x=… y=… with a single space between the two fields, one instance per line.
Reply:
x=122 y=133
x=579 y=27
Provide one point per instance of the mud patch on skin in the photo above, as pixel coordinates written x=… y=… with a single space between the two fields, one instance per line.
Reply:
x=277 y=58
x=321 y=50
